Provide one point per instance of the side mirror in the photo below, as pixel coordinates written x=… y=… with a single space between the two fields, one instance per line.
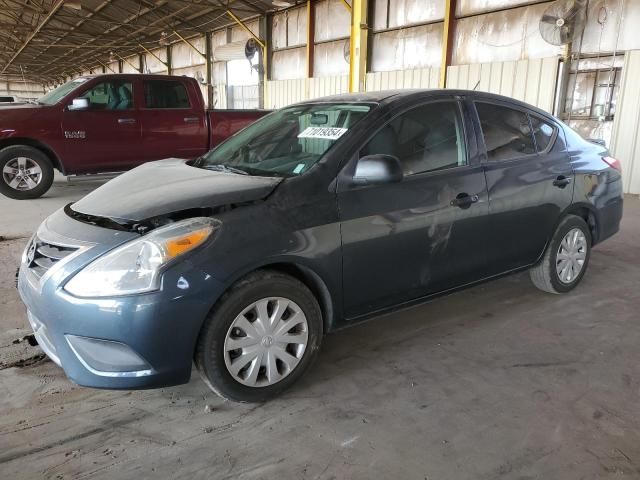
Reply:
x=79 y=104
x=378 y=169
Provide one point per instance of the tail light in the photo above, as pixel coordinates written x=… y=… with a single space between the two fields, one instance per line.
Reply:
x=613 y=163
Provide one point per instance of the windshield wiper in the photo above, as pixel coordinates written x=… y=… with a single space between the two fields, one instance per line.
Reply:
x=225 y=168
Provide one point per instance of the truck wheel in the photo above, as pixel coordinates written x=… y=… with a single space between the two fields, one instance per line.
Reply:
x=26 y=172
x=260 y=337
x=565 y=261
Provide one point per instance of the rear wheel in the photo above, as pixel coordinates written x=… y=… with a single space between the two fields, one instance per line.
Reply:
x=260 y=338
x=26 y=172
x=566 y=259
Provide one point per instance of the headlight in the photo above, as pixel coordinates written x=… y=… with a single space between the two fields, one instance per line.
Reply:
x=135 y=266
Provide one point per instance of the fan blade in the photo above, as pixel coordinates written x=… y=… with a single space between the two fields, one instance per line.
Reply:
x=550 y=19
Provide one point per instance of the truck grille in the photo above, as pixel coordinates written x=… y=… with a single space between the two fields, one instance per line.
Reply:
x=41 y=256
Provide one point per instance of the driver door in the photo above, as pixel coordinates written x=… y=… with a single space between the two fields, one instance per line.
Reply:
x=106 y=136
x=424 y=234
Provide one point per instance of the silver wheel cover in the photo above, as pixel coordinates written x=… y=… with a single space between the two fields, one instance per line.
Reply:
x=571 y=255
x=266 y=341
x=22 y=173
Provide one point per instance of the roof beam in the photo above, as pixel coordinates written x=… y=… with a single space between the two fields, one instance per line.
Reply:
x=44 y=21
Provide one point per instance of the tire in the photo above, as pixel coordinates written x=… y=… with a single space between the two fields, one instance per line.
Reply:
x=18 y=160
x=215 y=359
x=545 y=275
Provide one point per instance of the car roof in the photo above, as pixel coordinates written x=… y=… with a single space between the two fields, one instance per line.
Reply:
x=390 y=96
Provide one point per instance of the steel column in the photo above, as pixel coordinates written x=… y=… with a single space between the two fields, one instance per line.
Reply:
x=447 y=39
x=311 y=33
x=209 y=65
x=358 y=45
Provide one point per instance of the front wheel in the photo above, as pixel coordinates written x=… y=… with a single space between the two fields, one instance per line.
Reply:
x=566 y=259
x=26 y=172
x=260 y=338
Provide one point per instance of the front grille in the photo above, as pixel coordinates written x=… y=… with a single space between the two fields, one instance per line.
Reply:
x=41 y=256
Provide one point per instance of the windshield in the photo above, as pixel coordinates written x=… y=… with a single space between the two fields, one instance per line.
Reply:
x=57 y=94
x=287 y=142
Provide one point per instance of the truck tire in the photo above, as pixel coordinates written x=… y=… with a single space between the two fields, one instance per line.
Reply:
x=566 y=259
x=260 y=338
x=25 y=172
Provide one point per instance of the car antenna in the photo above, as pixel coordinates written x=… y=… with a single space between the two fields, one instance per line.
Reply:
x=474 y=88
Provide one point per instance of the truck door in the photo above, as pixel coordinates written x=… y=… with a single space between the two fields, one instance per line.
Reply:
x=104 y=136
x=173 y=120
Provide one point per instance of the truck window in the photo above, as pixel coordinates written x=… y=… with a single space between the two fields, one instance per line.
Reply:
x=111 y=95
x=165 y=94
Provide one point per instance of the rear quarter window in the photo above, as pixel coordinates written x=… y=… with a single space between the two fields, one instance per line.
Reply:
x=544 y=132
x=165 y=94
x=506 y=131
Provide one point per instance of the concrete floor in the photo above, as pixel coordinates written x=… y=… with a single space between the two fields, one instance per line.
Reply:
x=499 y=381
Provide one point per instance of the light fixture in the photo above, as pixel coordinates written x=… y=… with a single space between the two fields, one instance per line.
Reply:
x=113 y=57
x=164 y=39
x=281 y=3
x=74 y=4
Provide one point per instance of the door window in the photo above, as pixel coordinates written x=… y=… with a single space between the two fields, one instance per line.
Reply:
x=111 y=95
x=507 y=132
x=165 y=94
x=543 y=132
x=424 y=139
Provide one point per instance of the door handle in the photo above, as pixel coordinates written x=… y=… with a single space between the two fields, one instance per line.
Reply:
x=126 y=121
x=191 y=120
x=464 y=200
x=561 y=181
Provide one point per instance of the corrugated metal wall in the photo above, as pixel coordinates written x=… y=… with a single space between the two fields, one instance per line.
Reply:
x=415 y=78
x=625 y=140
x=532 y=81
x=21 y=89
x=285 y=92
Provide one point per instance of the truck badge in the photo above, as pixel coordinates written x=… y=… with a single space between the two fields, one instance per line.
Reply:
x=75 y=134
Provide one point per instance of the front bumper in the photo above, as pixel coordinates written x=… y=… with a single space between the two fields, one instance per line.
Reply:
x=127 y=342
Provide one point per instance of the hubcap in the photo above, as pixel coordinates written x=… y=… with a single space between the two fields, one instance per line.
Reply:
x=571 y=255
x=266 y=341
x=22 y=173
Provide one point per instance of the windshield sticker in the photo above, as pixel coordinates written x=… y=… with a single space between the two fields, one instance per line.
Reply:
x=298 y=168
x=326 y=133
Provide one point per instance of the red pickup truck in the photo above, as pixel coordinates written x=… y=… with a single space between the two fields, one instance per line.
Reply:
x=108 y=123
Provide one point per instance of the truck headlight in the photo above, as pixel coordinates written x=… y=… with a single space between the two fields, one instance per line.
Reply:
x=135 y=266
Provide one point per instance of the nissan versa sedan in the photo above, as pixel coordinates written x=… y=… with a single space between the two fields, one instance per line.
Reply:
x=317 y=216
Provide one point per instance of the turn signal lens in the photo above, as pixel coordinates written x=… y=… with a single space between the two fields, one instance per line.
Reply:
x=178 y=246
x=613 y=163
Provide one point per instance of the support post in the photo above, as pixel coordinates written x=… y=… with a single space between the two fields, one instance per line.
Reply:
x=141 y=63
x=358 y=45
x=311 y=34
x=209 y=66
x=447 y=39
x=169 y=64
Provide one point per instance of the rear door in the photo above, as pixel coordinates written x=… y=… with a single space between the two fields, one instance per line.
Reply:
x=105 y=136
x=529 y=180
x=173 y=120
x=424 y=234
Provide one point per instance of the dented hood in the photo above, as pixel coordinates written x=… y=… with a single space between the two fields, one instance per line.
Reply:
x=167 y=186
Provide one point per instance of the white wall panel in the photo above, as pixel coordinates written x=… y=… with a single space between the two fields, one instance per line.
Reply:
x=502 y=36
x=408 y=48
x=625 y=140
x=416 y=78
x=152 y=64
x=183 y=55
x=128 y=66
x=532 y=81
x=329 y=59
x=406 y=12
x=22 y=89
x=289 y=64
x=333 y=20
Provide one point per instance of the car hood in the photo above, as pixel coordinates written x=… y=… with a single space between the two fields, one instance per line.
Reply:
x=168 y=186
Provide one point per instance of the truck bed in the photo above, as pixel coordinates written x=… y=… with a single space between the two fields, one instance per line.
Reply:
x=224 y=123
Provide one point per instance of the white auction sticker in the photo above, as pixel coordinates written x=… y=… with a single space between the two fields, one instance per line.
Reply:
x=327 y=133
